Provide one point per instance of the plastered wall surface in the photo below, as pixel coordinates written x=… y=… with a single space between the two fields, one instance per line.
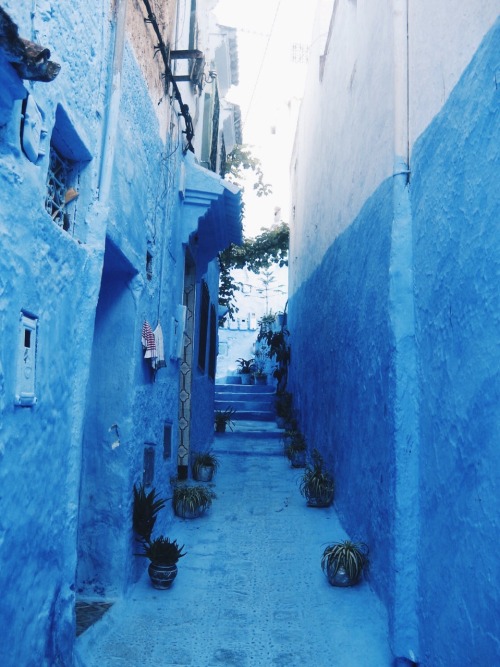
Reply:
x=345 y=117
x=394 y=323
x=68 y=464
x=455 y=203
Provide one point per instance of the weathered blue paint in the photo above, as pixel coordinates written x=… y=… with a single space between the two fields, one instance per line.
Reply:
x=455 y=203
x=68 y=464
x=395 y=355
x=343 y=377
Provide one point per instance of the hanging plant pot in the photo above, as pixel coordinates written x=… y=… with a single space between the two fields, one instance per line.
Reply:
x=162 y=576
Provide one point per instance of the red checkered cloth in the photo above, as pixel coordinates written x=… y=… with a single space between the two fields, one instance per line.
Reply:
x=148 y=341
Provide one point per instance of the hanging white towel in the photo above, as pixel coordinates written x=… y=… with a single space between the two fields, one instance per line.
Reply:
x=148 y=342
x=160 y=354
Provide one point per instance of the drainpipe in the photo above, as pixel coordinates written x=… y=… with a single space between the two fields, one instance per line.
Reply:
x=112 y=103
x=403 y=617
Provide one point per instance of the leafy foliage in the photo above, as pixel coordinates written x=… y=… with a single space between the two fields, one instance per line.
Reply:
x=351 y=556
x=256 y=254
x=146 y=508
x=317 y=484
x=239 y=160
x=246 y=366
x=192 y=499
x=295 y=442
x=205 y=459
x=223 y=418
x=162 y=551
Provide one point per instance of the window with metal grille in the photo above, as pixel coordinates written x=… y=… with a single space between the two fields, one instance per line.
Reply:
x=204 y=310
x=61 y=193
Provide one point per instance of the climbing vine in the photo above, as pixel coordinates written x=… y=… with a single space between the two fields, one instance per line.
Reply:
x=257 y=254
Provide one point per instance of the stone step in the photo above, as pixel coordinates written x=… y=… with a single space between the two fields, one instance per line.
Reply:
x=245 y=388
x=266 y=406
x=255 y=415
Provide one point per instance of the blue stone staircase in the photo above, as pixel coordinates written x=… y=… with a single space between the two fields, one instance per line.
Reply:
x=251 y=402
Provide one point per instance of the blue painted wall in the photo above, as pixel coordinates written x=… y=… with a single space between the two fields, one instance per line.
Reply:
x=456 y=204
x=342 y=376
x=68 y=464
x=395 y=358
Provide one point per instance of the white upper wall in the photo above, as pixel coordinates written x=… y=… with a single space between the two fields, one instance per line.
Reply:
x=345 y=119
x=443 y=38
x=346 y=138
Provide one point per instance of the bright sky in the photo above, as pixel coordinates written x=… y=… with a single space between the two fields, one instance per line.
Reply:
x=269 y=92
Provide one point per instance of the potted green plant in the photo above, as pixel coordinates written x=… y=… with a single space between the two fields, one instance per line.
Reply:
x=317 y=484
x=163 y=554
x=245 y=368
x=224 y=419
x=296 y=449
x=190 y=501
x=283 y=406
x=344 y=562
x=145 y=510
x=204 y=466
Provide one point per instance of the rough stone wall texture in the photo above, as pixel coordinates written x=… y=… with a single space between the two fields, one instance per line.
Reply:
x=144 y=42
x=394 y=322
x=40 y=269
x=342 y=377
x=455 y=203
x=68 y=464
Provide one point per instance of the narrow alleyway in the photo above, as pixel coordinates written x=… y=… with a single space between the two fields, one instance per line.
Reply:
x=250 y=592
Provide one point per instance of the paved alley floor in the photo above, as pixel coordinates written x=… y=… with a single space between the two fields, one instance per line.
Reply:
x=250 y=591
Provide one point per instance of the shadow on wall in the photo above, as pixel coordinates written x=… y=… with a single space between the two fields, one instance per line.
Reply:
x=105 y=465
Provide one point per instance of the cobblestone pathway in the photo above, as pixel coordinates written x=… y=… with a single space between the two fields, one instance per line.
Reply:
x=250 y=592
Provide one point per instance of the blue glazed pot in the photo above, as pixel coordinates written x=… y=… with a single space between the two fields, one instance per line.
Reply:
x=161 y=575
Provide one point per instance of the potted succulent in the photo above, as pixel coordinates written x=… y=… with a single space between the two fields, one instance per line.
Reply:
x=223 y=419
x=296 y=449
x=190 y=502
x=204 y=466
x=245 y=368
x=163 y=554
x=317 y=484
x=344 y=562
x=145 y=510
